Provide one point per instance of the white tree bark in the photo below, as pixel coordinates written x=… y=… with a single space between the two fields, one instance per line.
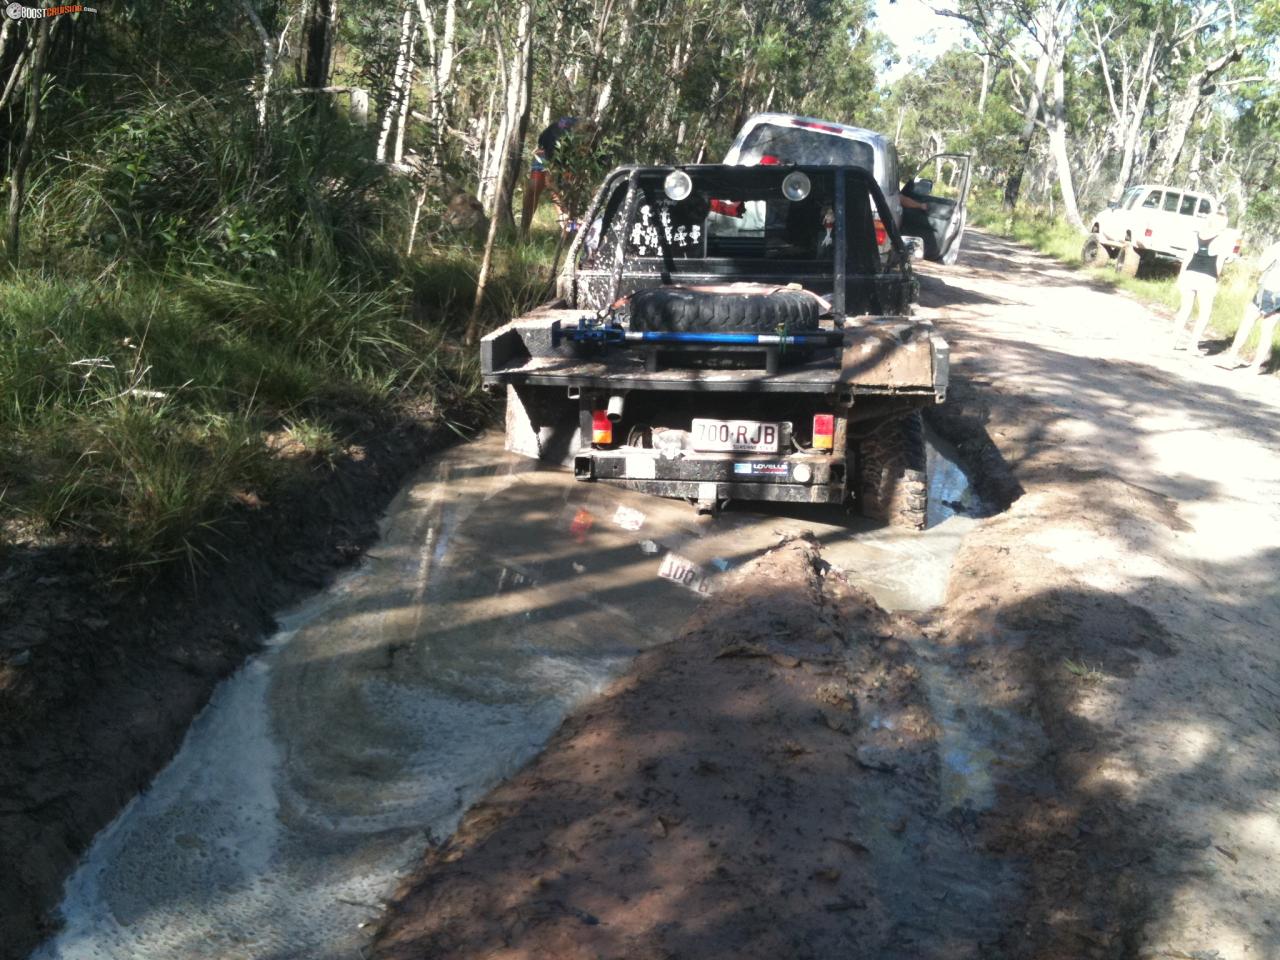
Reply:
x=986 y=83
x=1035 y=100
x=398 y=83
x=621 y=48
x=13 y=85
x=406 y=95
x=495 y=157
x=1144 y=81
x=268 y=63
x=442 y=57
x=1182 y=112
x=1056 y=121
x=519 y=81
x=484 y=146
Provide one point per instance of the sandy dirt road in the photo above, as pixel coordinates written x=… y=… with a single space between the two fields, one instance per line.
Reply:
x=1137 y=582
x=499 y=597
x=1074 y=757
x=1066 y=749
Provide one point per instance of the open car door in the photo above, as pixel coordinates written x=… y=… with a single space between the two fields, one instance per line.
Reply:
x=941 y=226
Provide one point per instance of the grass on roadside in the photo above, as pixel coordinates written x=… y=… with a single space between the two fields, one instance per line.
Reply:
x=1057 y=238
x=1085 y=672
x=140 y=406
x=202 y=312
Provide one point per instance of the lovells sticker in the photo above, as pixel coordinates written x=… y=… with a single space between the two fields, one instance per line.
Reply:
x=761 y=469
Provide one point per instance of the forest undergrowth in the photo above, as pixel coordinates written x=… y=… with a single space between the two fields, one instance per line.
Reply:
x=203 y=312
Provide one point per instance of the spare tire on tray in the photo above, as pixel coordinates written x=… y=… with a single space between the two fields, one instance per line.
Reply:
x=730 y=308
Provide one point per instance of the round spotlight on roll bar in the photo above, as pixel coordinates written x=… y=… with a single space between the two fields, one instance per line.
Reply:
x=796 y=185
x=678 y=185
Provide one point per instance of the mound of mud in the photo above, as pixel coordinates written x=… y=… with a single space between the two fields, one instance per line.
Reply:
x=765 y=785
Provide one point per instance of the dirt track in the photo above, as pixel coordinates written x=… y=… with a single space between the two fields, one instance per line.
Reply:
x=1135 y=583
x=1075 y=757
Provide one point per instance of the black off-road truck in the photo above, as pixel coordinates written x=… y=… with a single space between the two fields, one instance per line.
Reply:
x=730 y=333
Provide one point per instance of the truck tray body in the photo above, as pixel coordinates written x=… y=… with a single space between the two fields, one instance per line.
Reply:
x=555 y=387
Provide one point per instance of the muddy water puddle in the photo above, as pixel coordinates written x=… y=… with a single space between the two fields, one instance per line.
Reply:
x=499 y=597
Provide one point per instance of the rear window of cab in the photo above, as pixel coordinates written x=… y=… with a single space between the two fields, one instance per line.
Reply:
x=1175 y=201
x=796 y=145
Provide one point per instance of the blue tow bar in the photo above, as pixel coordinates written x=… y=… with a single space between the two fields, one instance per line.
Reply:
x=589 y=330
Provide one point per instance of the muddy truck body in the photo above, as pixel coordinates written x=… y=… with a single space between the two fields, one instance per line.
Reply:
x=730 y=333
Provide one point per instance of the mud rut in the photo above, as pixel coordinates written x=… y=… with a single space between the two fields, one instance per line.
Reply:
x=498 y=599
x=1006 y=774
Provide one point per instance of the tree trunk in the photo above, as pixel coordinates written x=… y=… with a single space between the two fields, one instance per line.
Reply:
x=318 y=31
x=442 y=73
x=13 y=85
x=1182 y=113
x=986 y=83
x=679 y=64
x=268 y=63
x=1035 y=97
x=392 y=110
x=398 y=83
x=520 y=80
x=18 y=173
x=1057 y=124
x=492 y=170
x=406 y=95
x=1133 y=131
x=602 y=18
x=621 y=49
x=483 y=145
x=6 y=26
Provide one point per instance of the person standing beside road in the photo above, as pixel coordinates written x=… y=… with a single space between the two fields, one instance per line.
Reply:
x=1198 y=281
x=1265 y=306
x=539 y=176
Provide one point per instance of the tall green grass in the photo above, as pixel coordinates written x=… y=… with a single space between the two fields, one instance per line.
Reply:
x=1057 y=238
x=202 y=312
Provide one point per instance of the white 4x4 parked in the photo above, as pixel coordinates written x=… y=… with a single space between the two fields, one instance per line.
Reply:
x=1149 y=223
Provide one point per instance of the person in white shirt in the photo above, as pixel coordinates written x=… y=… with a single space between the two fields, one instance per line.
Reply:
x=1265 y=306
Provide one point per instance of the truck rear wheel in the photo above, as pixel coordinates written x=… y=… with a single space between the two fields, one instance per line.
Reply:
x=893 y=483
x=755 y=308
x=1128 y=261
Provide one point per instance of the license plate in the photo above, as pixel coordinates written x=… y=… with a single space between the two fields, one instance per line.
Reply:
x=736 y=436
x=685 y=572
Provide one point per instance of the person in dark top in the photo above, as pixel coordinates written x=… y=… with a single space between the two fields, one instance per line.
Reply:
x=539 y=178
x=1198 y=281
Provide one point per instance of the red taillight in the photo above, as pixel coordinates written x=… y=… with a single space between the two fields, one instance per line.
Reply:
x=769 y=160
x=601 y=427
x=824 y=431
x=1235 y=251
x=1147 y=233
x=810 y=125
x=727 y=208
x=881 y=234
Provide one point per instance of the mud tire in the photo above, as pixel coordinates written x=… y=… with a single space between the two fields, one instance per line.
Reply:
x=893 y=483
x=1093 y=253
x=688 y=309
x=1128 y=261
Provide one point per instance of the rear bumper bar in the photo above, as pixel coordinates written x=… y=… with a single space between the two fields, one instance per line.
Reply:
x=777 y=492
x=793 y=479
